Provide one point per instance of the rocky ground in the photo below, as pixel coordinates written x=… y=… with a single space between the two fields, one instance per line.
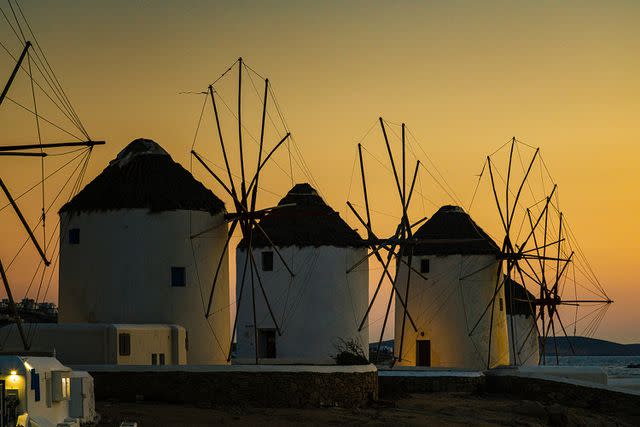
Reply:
x=448 y=409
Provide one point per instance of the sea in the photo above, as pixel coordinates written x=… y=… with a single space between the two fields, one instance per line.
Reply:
x=615 y=366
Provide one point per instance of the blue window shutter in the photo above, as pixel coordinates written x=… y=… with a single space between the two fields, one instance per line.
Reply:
x=35 y=384
x=178 y=276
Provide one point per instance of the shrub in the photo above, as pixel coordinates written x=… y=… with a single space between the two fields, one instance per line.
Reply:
x=350 y=352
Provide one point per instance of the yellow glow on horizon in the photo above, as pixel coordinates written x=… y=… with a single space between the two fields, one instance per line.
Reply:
x=465 y=76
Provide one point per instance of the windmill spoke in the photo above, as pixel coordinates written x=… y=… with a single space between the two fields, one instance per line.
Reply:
x=241 y=150
x=531 y=307
x=18 y=212
x=535 y=226
x=534 y=326
x=264 y=294
x=555 y=340
x=238 y=305
x=364 y=191
x=506 y=204
x=495 y=194
x=557 y=242
x=415 y=224
x=515 y=203
x=498 y=287
x=257 y=225
x=266 y=159
x=573 y=351
x=16 y=68
x=215 y=176
x=375 y=294
x=535 y=279
x=535 y=242
x=224 y=151
x=384 y=326
x=374 y=251
x=393 y=164
x=220 y=261
x=257 y=176
x=413 y=183
x=406 y=297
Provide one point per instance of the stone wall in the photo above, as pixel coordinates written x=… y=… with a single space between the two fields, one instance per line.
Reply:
x=263 y=388
x=395 y=386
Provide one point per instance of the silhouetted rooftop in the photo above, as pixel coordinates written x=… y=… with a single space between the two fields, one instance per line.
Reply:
x=452 y=231
x=304 y=219
x=144 y=175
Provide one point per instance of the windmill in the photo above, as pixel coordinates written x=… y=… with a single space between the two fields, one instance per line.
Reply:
x=538 y=251
x=400 y=245
x=44 y=86
x=242 y=183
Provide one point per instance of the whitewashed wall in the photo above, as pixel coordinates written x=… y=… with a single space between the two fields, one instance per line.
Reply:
x=320 y=306
x=446 y=306
x=121 y=273
x=526 y=343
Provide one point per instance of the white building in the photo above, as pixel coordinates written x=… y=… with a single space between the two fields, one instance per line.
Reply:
x=41 y=391
x=320 y=306
x=104 y=344
x=521 y=312
x=127 y=254
x=459 y=261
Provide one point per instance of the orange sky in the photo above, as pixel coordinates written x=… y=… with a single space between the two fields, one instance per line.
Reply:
x=464 y=76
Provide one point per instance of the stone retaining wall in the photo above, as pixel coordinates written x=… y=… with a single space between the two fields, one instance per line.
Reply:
x=232 y=387
x=393 y=386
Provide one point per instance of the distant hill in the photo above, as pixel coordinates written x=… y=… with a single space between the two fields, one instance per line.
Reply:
x=583 y=346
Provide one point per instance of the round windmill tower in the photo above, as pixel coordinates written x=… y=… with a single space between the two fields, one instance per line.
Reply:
x=522 y=316
x=458 y=265
x=139 y=237
x=309 y=315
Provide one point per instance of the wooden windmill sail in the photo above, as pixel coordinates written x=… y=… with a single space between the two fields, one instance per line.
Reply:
x=538 y=250
x=45 y=92
x=244 y=187
x=400 y=244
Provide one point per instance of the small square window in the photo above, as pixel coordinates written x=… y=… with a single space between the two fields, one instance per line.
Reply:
x=124 y=344
x=178 y=276
x=161 y=357
x=267 y=261
x=74 y=236
x=154 y=359
x=501 y=305
x=424 y=265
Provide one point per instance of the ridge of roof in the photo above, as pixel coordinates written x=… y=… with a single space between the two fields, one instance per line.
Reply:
x=302 y=218
x=452 y=231
x=144 y=176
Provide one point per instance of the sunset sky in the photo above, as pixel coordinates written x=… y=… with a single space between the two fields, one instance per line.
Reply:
x=465 y=76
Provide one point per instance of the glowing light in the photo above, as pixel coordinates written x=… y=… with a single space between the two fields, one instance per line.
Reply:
x=14 y=373
x=14 y=376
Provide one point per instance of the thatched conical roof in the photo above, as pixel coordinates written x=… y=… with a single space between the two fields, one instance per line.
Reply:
x=144 y=176
x=452 y=231
x=522 y=299
x=304 y=219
